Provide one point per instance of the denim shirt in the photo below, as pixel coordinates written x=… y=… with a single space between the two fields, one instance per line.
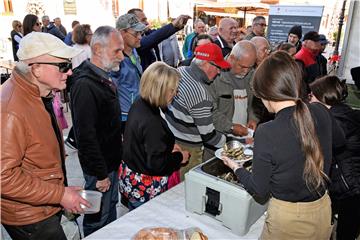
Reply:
x=127 y=81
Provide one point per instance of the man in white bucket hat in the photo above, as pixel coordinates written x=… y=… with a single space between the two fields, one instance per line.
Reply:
x=33 y=178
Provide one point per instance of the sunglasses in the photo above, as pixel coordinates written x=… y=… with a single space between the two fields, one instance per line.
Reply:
x=262 y=24
x=64 y=67
x=135 y=34
x=38 y=24
x=218 y=67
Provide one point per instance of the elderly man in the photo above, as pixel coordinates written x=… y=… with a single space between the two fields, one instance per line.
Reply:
x=306 y=57
x=95 y=113
x=258 y=28
x=57 y=23
x=190 y=115
x=199 y=28
x=33 y=177
x=228 y=31
x=231 y=92
x=49 y=27
x=262 y=51
x=127 y=79
x=262 y=48
x=148 y=50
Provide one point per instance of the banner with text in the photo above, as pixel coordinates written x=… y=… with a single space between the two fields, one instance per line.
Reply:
x=283 y=17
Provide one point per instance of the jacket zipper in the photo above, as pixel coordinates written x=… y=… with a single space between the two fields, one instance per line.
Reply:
x=342 y=177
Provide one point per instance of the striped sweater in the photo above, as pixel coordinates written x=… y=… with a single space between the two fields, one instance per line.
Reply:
x=190 y=115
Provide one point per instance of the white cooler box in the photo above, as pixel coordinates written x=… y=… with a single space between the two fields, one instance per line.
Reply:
x=206 y=193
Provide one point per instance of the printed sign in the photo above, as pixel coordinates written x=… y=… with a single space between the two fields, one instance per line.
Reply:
x=283 y=17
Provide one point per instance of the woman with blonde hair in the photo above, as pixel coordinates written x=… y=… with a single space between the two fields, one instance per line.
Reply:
x=150 y=154
x=16 y=36
x=292 y=155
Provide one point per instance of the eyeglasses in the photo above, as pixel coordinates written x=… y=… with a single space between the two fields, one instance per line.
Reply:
x=262 y=24
x=38 y=23
x=213 y=64
x=64 y=67
x=136 y=34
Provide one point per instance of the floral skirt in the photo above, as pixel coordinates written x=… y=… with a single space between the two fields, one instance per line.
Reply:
x=139 y=188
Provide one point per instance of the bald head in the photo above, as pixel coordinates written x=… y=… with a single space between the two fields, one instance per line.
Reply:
x=242 y=58
x=262 y=48
x=228 y=29
x=243 y=49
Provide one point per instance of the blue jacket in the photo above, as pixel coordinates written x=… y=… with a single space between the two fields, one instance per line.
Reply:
x=127 y=81
x=150 y=41
x=52 y=29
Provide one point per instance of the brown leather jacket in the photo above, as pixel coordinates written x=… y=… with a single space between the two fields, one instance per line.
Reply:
x=32 y=180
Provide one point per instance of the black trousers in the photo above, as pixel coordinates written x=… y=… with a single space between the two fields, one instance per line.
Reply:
x=48 y=229
x=348 y=223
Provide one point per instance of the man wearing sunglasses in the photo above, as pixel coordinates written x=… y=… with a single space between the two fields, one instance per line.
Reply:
x=258 y=28
x=127 y=79
x=33 y=178
x=190 y=115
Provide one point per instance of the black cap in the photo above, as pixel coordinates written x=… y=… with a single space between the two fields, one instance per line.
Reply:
x=323 y=39
x=312 y=35
x=297 y=30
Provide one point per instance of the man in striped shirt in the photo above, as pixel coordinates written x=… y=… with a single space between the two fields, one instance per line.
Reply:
x=189 y=116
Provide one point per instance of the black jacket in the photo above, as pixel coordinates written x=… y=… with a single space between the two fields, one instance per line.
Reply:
x=148 y=142
x=95 y=112
x=149 y=50
x=348 y=160
x=15 y=44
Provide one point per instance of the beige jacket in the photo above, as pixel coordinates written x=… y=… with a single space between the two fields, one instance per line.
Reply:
x=32 y=180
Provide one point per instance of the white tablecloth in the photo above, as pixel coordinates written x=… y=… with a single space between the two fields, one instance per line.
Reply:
x=168 y=210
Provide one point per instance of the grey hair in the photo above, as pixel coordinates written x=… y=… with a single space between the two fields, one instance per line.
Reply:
x=45 y=17
x=198 y=62
x=213 y=29
x=243 y=48
x=101 y=35
x=198 y=21
x=23 y=68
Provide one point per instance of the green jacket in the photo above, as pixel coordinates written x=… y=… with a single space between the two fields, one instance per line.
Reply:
x=222 y=92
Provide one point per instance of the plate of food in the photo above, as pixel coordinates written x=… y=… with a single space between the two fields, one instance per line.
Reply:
x=234 y=150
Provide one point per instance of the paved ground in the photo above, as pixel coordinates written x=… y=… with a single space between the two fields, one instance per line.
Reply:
x=74 y=175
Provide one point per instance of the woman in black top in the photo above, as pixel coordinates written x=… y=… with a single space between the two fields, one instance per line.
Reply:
x=292 y=155
x=345 y=169
x=149 y=151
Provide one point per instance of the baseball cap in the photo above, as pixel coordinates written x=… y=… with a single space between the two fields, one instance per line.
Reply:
x=129 y=20
x=212 y=53
x=312 y=35
x=36 y=44
x=323 y=39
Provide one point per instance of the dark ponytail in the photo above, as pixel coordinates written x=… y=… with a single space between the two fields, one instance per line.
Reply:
x=279 y=78
x=314 y=175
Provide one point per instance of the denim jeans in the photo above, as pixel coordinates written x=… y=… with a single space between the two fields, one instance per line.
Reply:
x=107 y=214
x=47 y=229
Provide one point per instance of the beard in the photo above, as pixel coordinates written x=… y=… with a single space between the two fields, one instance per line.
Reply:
x=110 y=65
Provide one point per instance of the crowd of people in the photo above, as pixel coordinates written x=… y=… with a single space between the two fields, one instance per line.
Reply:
x=143 y=115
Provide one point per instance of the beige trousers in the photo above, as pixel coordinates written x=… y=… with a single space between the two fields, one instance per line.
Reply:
x=195 y=158
x=303 y=220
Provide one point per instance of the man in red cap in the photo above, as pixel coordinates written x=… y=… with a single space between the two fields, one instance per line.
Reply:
x=189 y=117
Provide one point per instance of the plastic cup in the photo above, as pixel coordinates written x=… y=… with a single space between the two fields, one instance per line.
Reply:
x=94 y=198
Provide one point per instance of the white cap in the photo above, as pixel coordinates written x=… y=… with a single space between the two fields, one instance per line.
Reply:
x=36 y=44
